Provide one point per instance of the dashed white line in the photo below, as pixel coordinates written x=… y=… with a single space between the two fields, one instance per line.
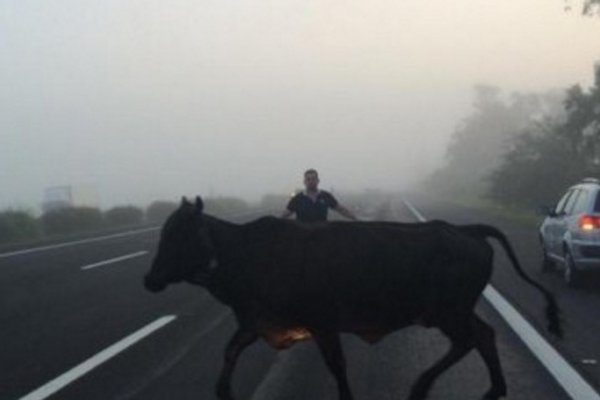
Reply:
x=112 y=236
x=76 y=242
x=75 y=373
x=415 y=212
x=114 y=260
x=173 y=358
x=566 y=376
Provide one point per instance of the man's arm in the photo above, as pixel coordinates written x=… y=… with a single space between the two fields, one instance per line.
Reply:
x=290 y=208
x=345 y=212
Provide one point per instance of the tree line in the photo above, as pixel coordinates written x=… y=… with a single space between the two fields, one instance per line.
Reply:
x=526 y=150
x=19 y=225
x=589 y=7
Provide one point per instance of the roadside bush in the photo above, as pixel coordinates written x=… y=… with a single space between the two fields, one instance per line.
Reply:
x=71 y=220
x=159 y=211
x=274 y=203
x=17 y=225
x=124 y=215
x=223 y=206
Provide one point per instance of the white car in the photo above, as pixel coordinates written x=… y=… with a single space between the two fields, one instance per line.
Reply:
x=570 y=233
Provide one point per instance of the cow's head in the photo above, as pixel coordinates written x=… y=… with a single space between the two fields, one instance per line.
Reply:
x=185 y=250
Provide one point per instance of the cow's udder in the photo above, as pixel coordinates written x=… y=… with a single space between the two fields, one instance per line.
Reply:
x=283 y=338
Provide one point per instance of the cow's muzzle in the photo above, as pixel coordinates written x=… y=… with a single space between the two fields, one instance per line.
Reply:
x=153 y=285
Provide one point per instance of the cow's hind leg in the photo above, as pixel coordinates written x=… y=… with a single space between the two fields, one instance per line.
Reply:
x=240 y=340
x=461 y=342
x=485 y=342
x=331 y=350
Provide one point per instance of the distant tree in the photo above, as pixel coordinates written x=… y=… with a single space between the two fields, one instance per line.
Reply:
x=588 y=7
x=124 y=215
x=274 y=203
x=17 y=226
x=71 y=220
x=224 y=206
x=159 y=211
x=534 y=172
x=480 y=141
x=582 y=127
x=548 y=157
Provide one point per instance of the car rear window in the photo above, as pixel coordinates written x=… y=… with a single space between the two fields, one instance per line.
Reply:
x=561 y=204
x=568 y=208
x=597 y=202
x=582 y=202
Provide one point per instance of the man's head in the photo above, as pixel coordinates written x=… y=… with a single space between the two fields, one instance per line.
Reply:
x=311 y=180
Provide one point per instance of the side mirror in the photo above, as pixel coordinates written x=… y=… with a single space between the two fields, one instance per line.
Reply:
x=547 y=211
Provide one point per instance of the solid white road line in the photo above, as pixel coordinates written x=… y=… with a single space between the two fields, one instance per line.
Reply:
x=114 y=260
x=63 y=380
x=567 y=377
x=76 y=242
x=560 y=369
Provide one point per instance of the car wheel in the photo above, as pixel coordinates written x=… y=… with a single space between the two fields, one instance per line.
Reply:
x=571 y=274
x=547 y=263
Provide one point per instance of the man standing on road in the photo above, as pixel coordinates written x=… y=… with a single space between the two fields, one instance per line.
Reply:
x=312 y=204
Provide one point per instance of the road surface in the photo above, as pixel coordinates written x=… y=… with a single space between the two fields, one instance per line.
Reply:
x=76 y=323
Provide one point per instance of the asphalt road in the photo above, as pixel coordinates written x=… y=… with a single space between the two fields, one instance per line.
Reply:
x=580 y=308
x=73 y=333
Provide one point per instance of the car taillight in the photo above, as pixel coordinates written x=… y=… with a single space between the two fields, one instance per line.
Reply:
x=589 y=222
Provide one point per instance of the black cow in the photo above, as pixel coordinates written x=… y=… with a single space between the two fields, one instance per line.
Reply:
x=286 y=281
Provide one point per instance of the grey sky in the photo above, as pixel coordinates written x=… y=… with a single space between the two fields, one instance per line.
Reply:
x=154 y=99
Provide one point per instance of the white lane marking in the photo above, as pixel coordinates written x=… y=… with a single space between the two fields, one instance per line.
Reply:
x=114 y=260
x=172 y=359
x=559 y=368
x=75 y=373
x=76 y=242
x=415 y=212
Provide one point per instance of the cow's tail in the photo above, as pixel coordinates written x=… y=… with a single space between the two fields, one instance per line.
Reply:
x=552 y=310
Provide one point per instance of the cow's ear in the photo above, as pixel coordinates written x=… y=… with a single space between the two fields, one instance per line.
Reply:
x=184 y=200
x=199 y=205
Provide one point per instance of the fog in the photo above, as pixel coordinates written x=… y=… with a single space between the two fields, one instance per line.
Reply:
x=145 y=100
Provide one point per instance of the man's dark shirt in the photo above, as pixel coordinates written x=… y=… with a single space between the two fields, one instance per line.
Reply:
x=308 y=210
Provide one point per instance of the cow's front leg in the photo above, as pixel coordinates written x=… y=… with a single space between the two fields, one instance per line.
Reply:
x=240 y=340
x=331 y=350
